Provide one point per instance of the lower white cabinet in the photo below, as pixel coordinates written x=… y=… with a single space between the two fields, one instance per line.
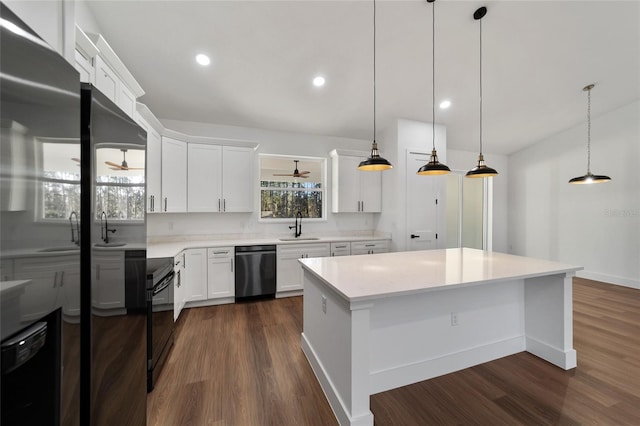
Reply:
x=195 y=274
x=220 y=275
x=179 y=293
x=369 y=247
x=55 y=282
x=341 y=249
x=289 y=273
x=107 y=290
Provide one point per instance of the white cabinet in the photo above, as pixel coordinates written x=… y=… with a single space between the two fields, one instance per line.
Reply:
x=220 y=178
x=195 y=274
x=204 y=178
x=174 y=175
x=237 y=179
x=353 y=190
x=369 y=247
x=341 y=249
x=179 y=292
x=220 y=275
x=6 y=270
x=50 y=278
x=85 y=67
x=153 y=162
x=107 y=290
x=106 y=79
x=289 y=273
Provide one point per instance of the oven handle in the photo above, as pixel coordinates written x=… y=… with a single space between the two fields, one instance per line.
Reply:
x=166 y=281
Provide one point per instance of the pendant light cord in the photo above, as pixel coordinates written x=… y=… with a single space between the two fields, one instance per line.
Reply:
x=433 y=75
x=589 y=131
x=481 y=86
x=374 y=71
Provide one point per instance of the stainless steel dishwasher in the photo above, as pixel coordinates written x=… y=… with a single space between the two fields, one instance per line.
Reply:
x=255 y=271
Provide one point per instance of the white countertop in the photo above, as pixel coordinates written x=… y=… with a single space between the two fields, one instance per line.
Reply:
x=368 y=277
x=172 y=248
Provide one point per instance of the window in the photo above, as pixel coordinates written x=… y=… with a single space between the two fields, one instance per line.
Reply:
x=283 y=195
x=60 y=190
x=120 y=191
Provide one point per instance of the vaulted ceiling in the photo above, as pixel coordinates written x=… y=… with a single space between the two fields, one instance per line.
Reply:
x=537 y=57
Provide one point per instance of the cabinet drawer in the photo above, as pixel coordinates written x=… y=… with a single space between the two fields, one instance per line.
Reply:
x=220 y=252
x=341 y=249
x=304 y=250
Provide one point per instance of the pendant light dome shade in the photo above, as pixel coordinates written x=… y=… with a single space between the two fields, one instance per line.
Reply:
x=589 y=177
x=481 y=170
x=375 y=162
x=433 y=167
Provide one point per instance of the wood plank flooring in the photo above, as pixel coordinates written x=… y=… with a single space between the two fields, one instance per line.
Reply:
x=242 y=365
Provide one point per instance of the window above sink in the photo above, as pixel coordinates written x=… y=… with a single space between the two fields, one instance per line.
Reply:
x=289 y=184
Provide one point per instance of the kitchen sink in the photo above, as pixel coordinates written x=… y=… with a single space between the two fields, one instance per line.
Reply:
x=299 y=239
x=106 y=245
x=61 y=248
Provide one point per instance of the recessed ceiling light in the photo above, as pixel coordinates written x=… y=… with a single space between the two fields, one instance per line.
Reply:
x=445 y=104
x=318 y=81
x=203 y=59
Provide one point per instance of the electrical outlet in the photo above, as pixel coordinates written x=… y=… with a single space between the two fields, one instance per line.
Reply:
x=324 y=304
x=454 y=318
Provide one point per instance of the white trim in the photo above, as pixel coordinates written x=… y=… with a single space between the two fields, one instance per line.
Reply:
x=610 y=279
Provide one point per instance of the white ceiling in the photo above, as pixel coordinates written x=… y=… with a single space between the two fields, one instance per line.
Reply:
x=537 y=57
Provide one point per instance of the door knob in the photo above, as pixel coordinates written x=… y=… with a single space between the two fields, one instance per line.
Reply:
x=414 y=236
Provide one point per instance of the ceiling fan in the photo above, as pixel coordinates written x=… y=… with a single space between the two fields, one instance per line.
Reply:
x=123 y=165
x=295 y=173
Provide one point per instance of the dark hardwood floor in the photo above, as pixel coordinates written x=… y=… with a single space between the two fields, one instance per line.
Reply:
x=242 y=365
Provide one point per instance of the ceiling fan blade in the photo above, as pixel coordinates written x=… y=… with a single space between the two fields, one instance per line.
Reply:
x=77 y=160
x=304 y=173
x=277 y=174
x=115 y=166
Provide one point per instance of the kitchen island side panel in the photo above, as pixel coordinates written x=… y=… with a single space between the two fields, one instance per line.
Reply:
x=335 y=341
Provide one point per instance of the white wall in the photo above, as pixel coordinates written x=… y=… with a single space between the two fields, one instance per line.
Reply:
x=595 y=226
x=270 y=142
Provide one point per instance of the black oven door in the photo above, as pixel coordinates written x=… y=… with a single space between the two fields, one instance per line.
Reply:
x=159 y=326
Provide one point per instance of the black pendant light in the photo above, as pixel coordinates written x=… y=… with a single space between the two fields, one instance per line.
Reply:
x=374 y=162
x=433 y=167
x=481 y=170
x=589 y=177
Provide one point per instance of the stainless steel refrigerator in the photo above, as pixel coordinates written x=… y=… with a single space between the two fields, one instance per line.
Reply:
x=69 y=355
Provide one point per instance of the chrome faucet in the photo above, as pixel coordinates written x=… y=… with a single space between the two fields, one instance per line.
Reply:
x=75 y=236
x=104 y=230
x=298 y=225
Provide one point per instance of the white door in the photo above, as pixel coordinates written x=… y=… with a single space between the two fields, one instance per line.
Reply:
x=423 y=205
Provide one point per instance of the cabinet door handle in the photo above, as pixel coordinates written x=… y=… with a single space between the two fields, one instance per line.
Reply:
x=184 y=260
x=61 y=278
x=220 y=252
x=231 y=262
x=218 y=204
x=362 y=204
x=165 y=204
x=224 y=204
x=151 y=199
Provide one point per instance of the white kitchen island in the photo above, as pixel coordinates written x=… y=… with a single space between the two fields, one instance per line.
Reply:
x=378 y=322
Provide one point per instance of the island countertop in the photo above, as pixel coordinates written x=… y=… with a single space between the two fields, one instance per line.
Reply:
x=360 y=278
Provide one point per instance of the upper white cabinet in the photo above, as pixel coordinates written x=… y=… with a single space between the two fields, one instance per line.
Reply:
x=204 y=178
x=353 y=190
x=146 y=120
x=98 y=64
x=174 y=175
x=220 y=178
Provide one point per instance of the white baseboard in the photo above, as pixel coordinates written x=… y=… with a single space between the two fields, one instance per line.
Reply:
x=563 y=359
x=611 y=279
